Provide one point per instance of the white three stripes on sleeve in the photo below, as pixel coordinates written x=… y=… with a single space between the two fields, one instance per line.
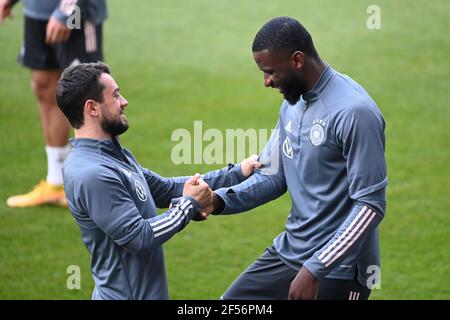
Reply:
x=181 y=206
x=170 y=222
x=348 y=237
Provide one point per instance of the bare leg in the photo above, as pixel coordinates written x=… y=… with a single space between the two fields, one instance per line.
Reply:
x=55 y=126
x=56 y=133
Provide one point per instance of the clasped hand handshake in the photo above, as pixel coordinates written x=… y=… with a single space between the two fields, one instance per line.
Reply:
x=198 y=189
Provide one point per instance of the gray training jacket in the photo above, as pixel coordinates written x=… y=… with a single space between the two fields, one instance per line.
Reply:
x=328 y=152
x=114 y=200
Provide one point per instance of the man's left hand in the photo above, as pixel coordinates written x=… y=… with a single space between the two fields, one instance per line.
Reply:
x=304 y=286
x=249 y=164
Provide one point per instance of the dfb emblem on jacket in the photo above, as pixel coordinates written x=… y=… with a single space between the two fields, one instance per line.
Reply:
x=317 y=132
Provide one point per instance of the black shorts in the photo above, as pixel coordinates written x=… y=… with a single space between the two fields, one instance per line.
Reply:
x=84 y=45
x=270 y=278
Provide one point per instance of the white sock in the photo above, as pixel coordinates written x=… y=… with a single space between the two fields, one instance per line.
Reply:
x=55 y=159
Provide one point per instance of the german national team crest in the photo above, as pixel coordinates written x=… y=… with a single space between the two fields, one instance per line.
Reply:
x=317 y=133
x=140 y=191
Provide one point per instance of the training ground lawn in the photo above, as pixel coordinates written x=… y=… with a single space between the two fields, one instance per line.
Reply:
x=181 y=61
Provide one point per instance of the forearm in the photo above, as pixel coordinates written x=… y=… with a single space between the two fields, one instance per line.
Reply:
x=107 y=200
x=253 y=192
x=225 y=177
x=165 y=189
x=361 y=222
x=154 y=232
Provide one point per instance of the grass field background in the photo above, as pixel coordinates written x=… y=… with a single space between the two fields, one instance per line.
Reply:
x=180 y=61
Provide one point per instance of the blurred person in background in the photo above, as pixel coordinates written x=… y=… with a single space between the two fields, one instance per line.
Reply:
x=57 y=33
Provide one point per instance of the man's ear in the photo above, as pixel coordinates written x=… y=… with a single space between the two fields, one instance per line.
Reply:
x=298 y=59
x=91 y=108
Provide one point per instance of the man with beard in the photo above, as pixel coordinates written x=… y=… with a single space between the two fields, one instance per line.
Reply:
x=328 y=152
x=114 y=200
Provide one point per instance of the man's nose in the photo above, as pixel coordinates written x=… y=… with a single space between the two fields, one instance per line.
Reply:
x=267 y=80
x=123 y=102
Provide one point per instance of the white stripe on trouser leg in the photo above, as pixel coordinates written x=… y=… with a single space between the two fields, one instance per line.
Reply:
x=354 y=295
x=94 y=38
x=86 y=37
x=90 y=37
x=336 y=243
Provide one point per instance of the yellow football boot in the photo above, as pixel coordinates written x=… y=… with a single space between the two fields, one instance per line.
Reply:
x=43 y=193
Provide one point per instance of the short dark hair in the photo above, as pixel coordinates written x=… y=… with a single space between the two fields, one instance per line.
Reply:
x=284 y=35
x=77 y=84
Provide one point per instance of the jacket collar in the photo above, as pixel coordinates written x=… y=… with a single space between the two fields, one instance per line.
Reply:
x=320 y=86
x=107 y=146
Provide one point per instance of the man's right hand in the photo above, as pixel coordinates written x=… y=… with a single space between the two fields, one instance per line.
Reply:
x=199 y=190
x=216 y=204
x=56 y=31
x=5 y=10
